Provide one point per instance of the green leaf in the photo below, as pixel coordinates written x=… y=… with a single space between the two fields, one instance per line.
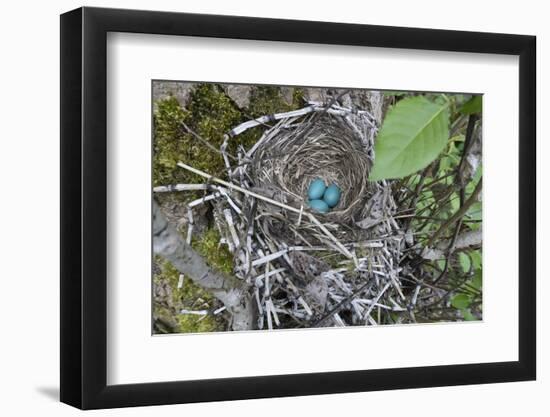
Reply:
x=477 y=282
x=460 y=301
x=455 y=202
x=473 y=105
x=413 y=134
x=476 y=258
x=475 y=211
x=465 y=262
x=467 y=314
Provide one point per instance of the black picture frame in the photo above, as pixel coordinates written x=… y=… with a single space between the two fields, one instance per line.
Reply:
x=84 y=207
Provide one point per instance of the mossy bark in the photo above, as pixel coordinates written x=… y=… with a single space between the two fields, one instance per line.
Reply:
x=231 y=291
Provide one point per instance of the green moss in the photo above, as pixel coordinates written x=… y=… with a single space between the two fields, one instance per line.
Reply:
x=210 y=114
x=298 y=99
x=195 y=298
x=164 y=320
x=267 y=99
x=218 y=257
x=190 y=297
x=169 y=146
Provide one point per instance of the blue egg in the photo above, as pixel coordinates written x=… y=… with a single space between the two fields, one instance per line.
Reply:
x=332 y=195
x=319 y=206
x=316 y=189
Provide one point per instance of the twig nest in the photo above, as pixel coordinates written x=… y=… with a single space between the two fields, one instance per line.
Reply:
x=301 y=158
x=318 y=255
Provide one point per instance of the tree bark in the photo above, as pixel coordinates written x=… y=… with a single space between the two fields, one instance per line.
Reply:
x=231 y=291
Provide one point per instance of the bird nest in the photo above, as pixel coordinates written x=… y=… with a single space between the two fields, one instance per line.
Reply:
x=290 y=158
x=307 y=269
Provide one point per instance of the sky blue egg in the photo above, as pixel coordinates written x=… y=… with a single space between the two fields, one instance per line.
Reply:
x=332 y=195
x=316 y=189
x=319 y=206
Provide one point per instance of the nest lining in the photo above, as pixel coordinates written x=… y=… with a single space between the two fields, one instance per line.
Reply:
x=330 y=150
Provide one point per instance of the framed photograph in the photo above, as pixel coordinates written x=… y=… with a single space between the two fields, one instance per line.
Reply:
x=257 y=208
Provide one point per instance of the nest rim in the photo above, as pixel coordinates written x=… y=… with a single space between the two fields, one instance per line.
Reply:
x=328 y=149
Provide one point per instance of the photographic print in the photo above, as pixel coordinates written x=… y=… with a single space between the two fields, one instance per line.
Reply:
x=286 y=207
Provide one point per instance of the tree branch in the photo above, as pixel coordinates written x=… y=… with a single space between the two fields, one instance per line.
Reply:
x=231 y=291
